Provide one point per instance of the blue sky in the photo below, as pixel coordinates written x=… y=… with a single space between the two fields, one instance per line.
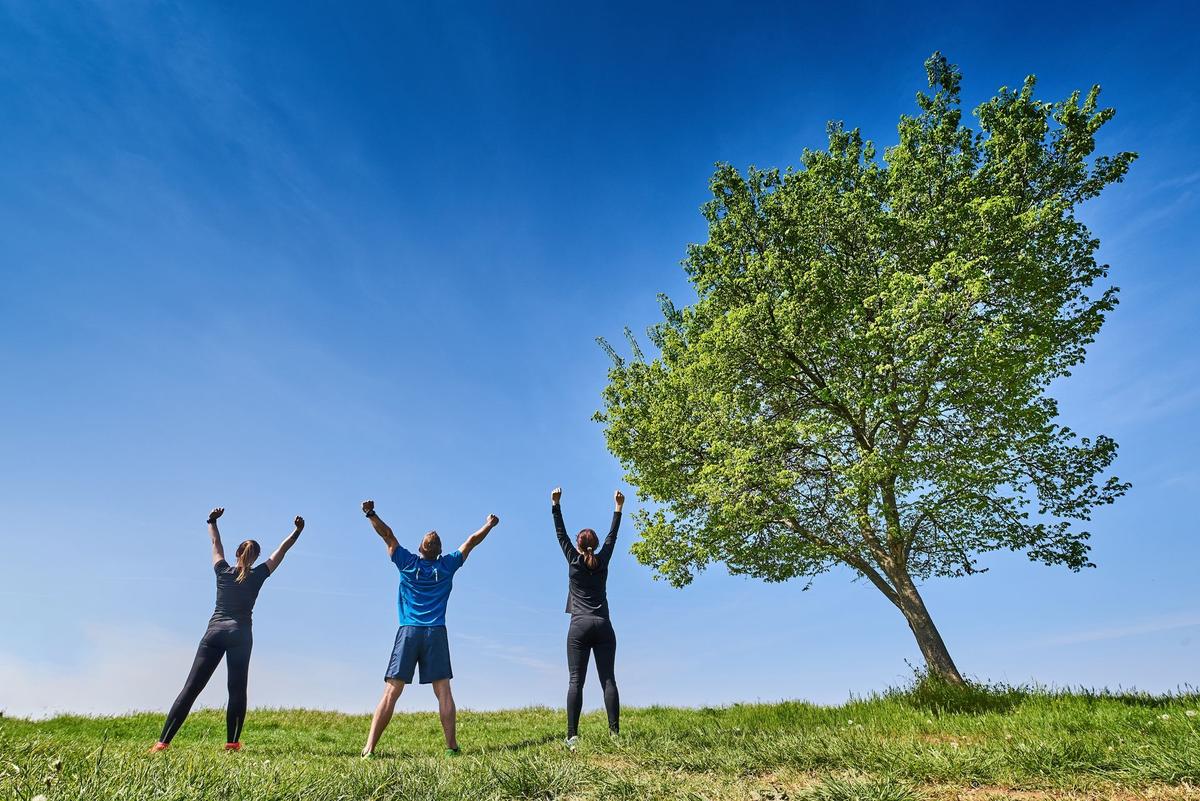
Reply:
x=284 y=257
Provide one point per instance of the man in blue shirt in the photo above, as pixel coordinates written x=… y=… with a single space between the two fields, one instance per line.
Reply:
x=426 y=579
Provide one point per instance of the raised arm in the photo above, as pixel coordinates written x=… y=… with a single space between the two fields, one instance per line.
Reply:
x=560 y=528
x=381 y=528
x=610 y=542
x=479 y=536
x=285 y=546
x=218 y=554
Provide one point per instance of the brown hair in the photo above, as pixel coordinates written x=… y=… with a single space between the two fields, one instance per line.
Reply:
x=247 y=552
x=587 y=542
x=431 y=546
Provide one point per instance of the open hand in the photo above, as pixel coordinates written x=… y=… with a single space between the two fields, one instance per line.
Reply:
x=619 y=499
x=299 y=524
x=492 y=521
x=215 y=513
x=556 y=495
x=368 y=507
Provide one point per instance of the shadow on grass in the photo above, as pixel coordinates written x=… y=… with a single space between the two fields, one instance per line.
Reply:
x=389 y=754
x=936 y=696
x=933 y=695
x=528 y=742
x=1137 y=698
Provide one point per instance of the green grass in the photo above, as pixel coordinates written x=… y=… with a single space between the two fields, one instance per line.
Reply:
x=925 y=742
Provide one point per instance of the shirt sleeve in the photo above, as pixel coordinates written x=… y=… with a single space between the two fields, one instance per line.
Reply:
x=560 y=529
x=263 y=571
x=220 y=566
x=610 y=542
x=453 y=561
x=402 y=557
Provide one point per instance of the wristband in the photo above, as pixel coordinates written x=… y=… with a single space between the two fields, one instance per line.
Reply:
x=212 y=520
x=370 y=513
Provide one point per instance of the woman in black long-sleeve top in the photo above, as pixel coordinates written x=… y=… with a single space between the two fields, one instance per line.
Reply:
x=591 y=630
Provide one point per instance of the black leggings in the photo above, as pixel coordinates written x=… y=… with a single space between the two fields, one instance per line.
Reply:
x=221 y=640
x=592 y=635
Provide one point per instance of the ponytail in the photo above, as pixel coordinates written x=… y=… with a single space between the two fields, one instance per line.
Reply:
x=587 y=542
x=247 y=552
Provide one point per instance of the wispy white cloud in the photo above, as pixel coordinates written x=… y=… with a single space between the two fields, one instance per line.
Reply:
x=1172 y=391
x=1153 y=214
x=1188 y=479
x=120 y=669
x=1168 y=623
x=515 y=654
x=1179 y=180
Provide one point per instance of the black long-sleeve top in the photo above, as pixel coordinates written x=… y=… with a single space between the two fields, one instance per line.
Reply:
x=588 y=593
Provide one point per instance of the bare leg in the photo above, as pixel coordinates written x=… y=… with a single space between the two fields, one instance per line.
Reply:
x=447 y=711
x=383 y=712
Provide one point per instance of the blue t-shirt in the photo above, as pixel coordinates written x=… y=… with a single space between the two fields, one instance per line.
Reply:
x=425 y=586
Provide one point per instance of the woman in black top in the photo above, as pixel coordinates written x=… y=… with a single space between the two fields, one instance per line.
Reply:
x=591 y=630
x=229 y=633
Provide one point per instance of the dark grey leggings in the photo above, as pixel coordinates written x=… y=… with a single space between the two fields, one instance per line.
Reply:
x=589 y=635
x=233 y=642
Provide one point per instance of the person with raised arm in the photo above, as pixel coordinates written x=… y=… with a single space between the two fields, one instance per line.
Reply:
x=426 y=579
x=229 y=633
x=591 y=630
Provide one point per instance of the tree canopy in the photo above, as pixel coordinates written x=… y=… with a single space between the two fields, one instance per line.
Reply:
x=864 y=377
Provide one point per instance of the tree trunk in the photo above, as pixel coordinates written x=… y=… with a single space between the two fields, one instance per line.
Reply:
x=933 y=648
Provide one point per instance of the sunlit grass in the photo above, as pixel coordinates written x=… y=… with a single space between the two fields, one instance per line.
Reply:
x=925 y=742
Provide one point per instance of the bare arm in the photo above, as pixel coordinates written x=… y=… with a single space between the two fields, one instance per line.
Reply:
x=218 y=553
x=478 y=536
x=560 y=528
x=285 y=546
x=610 y=541
x=381 y=528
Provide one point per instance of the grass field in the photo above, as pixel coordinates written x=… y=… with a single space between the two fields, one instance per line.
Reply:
x=927 y=742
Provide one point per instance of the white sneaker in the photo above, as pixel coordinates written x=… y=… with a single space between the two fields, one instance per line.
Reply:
x=572 y=742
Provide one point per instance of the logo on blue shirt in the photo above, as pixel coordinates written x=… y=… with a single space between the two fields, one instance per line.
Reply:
x=425 y=586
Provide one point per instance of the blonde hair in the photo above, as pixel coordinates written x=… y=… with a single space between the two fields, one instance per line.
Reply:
x=431 y=546
x=247 y=552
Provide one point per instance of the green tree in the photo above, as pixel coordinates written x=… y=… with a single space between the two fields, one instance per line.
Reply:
x=863 y=380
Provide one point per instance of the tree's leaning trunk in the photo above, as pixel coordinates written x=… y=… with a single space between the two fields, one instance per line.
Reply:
x=933 y=648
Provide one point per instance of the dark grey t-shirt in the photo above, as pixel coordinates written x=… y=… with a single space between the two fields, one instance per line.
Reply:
x=588 y=589
x=235 y=601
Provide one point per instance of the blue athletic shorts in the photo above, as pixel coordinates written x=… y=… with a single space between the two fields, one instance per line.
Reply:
x=426 y=646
